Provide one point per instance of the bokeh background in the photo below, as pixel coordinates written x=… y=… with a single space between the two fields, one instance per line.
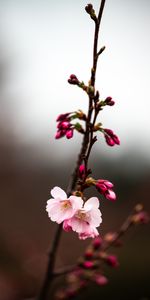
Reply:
x=41 y=44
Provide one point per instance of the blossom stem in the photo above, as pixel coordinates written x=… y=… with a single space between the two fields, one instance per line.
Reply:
x=51 y=263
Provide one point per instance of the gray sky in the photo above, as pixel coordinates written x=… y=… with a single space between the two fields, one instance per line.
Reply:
x=46 y=41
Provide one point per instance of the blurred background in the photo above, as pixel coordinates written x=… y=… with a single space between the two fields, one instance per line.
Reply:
x=41 y=44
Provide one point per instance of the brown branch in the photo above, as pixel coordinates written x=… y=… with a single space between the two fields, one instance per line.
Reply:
x=52 y=255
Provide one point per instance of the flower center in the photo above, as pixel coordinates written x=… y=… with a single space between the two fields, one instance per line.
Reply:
x=82 y=215
x=65 y=204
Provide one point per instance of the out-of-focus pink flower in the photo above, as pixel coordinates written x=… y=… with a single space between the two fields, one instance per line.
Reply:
x=100 y=279
x=97 y=243
x=111 y=138
x=112 y=261
x=105 y=188
x=86 y=219
x=60 y=207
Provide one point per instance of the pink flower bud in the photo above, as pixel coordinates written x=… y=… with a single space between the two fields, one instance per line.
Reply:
x=73 y=79
x=112 y=261
x=59 y=134
x=62 y=117
x=89 y=254
x=88 y=264
x=69 y=134
x=97 y=243
x=101 y=187
x=108 y=184
x=89 y=8
x=109 y=140
x=109 y=101
x=63 y=125
x=100 y=279
x=110 y=195
x=109 y=131
x=116 y=139
x=82 y=170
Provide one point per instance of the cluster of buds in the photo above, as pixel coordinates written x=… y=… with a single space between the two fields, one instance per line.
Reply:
x=64 y=127
x=75 y=81
x=101 y=103
x=110 y=137
x=104 y=187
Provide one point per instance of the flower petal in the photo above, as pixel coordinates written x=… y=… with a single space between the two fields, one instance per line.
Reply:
x=96 y=219
x=91 y=203
x=76 y=202
x=57 y=192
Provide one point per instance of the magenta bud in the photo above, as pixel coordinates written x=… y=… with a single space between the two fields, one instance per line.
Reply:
x=144 y=218
x=108 y=184
x=97 y=243
x=110 y=195
x=112 y=261
x=109 y=101
x=73 y=79
x=63 y=125
x=82 y=170
x=109 y=140
x=69 y=134
x=88 y=264
x=101 y=187
x=116 y=139
x=59 y=134
x=109 y=131
x=62 y=117
x=89 y=254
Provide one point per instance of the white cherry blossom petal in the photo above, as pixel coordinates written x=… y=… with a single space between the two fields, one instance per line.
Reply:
x=77 y=202
x=91 y=203
x=57 y=192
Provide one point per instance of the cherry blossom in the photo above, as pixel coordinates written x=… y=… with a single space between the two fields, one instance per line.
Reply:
x=60 y=207
x=86 y=219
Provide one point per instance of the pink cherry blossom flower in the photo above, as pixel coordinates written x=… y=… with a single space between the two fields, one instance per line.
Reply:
x=60 y=207
x=86 y=219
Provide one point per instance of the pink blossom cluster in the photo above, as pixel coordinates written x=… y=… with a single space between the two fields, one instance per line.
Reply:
x=64 y=127
x=83 y=218
x=111 y=138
